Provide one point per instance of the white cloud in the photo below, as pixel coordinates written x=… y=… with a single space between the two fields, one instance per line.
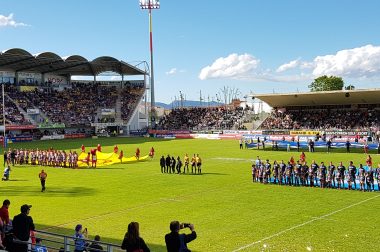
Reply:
x=9 y=21
x=172 y=71
x=233 y=66
x=287 y=66
x=360 y=62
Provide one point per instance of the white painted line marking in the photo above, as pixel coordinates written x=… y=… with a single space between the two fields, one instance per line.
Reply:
x=303 y=224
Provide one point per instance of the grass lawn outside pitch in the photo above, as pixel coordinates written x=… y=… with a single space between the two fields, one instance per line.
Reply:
x=228 y=210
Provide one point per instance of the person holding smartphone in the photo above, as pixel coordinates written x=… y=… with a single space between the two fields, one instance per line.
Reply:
x=178 y=242
x=79 y=238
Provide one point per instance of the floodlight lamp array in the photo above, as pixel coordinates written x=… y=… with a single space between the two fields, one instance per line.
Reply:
x=149 y=4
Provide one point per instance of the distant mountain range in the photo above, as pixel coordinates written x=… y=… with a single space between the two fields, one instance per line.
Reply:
x=186 y=104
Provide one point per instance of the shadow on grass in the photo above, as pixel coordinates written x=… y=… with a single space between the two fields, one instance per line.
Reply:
x=70 y=232
x=102 y=168
x=197 y=174
x=204 y=173
x=18 y=180
x=13 y=190
x=75 y=144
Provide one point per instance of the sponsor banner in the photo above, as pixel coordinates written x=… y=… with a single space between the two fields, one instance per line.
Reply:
x=19 y=139
x=20 y=127
x=23 y=75
x=304 y=132
x=352 y=139
x=106 y=111
x=282 y=138
x=7 y=74
x=51 y=126
x=165 y=136
x=34 y=111
x=183 y=136
x=76 y=135
x=53 y=137
x=56 y=79
x=346 y=133
x=254 y=132
x=230 y=136
x=206 y=136
x=107 y=124
x=275 y=132
x=169 y=132
x=138 y=132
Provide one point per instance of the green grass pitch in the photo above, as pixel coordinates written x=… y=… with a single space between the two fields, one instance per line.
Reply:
x=228 y=210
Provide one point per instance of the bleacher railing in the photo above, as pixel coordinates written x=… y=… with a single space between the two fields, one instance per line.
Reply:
x=56 y=242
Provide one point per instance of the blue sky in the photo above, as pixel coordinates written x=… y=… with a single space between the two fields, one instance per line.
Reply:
x=259 y=46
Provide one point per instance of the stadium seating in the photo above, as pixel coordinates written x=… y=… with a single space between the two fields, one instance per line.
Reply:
x=203 y=118
x=12 y=114
x=130 y=95
x=75 y=106
x=346 y=119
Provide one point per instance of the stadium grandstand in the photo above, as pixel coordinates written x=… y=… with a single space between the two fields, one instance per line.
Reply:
x=43 y=99
x=329 y=110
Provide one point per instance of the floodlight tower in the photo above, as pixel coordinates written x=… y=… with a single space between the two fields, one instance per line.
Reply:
x=4 y=136
x=151 y=4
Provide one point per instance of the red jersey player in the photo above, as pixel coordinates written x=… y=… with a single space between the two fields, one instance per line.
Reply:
x=151 y=152
x=137 y=153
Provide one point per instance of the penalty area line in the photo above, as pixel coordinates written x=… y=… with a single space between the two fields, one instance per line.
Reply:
x=304 y=223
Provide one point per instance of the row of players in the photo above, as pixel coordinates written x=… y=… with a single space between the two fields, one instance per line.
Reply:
x=59 y=158
x=328 y=176
x=42 y=157
x=172 y=165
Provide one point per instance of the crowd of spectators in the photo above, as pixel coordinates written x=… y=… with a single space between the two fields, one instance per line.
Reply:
x=204 y=118
x=345 y=119
x=12 y=114
x=75 y=106
x=130 y=95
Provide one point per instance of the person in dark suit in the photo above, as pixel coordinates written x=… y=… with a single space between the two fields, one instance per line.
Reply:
x=175 y=241
x=162 y=164
x=167 y=162
x=22 y=225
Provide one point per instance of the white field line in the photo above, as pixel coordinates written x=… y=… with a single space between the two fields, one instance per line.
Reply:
x=179 y=198
x=303 y=224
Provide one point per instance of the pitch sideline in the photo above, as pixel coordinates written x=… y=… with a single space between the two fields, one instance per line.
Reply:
x=303 y=224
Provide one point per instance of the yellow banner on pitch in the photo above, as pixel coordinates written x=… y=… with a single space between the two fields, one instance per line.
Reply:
x=104 y=158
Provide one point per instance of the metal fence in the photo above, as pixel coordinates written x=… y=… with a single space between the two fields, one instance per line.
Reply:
x=64 y=243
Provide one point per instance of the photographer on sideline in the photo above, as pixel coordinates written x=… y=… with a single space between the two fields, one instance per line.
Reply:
x=178 y=242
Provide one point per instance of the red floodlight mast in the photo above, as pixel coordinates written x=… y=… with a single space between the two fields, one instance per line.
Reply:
x=151 y=4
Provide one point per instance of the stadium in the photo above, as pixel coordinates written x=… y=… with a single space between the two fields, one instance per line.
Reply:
x=86 y=156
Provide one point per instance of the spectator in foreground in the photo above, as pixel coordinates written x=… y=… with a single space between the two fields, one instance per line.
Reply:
x=39 y=247
x=132 y=240
x=4 y=214
x=95 y=246
x=22 y=224
x=178 y=242
x=79 y=236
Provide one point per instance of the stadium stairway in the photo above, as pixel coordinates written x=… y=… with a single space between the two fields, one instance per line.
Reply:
x=256 y=124
x=118 y=109
x=22 y=111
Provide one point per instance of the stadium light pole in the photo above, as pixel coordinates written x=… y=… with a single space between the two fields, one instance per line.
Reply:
x=151 y=4
x=4 y=143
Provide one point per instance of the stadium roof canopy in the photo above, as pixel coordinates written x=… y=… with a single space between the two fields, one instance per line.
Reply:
x=341 y=97
x=19 y=60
